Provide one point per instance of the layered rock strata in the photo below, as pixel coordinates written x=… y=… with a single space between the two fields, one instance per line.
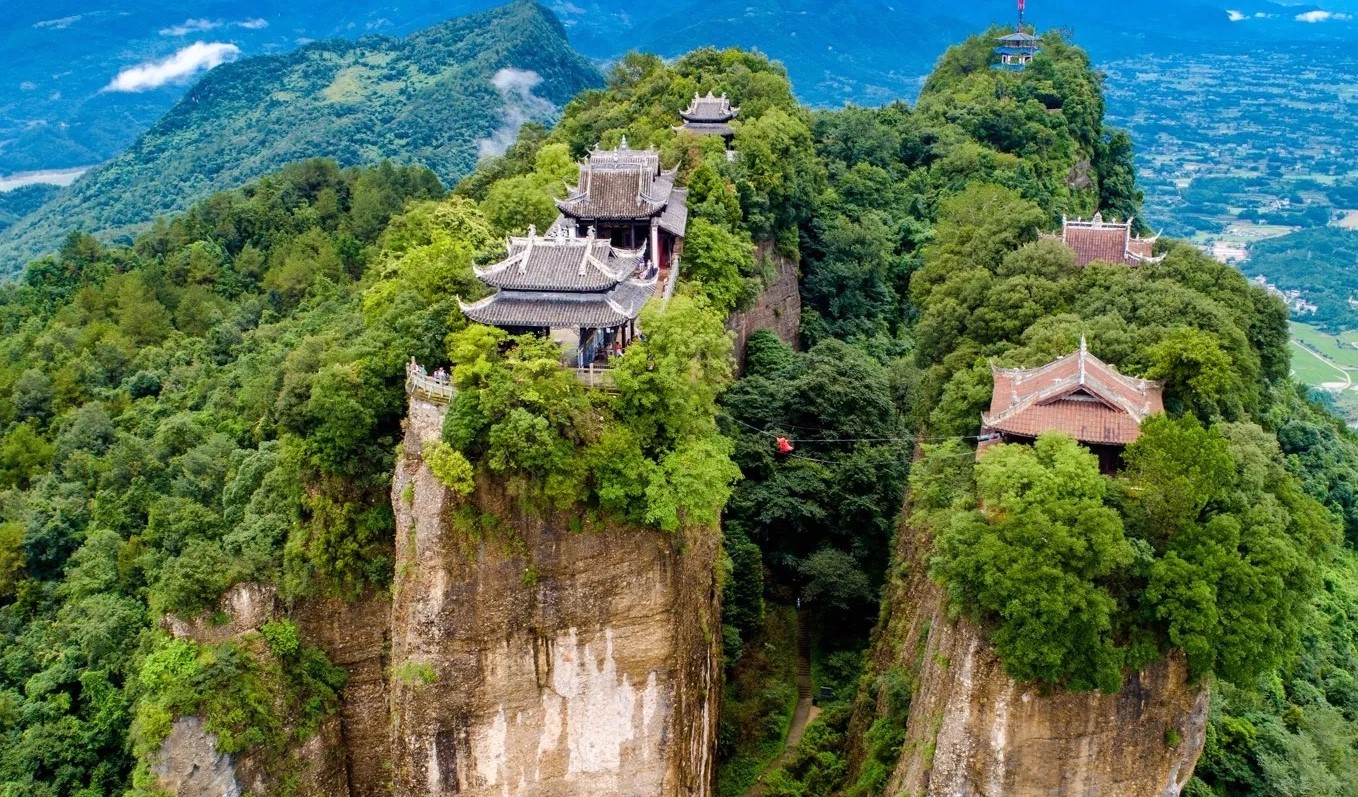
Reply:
x=541 y=653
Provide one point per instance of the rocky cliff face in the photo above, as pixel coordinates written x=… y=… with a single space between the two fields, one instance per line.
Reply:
x=778 y=307
x=972 y=730
x=346 y=757
x=543 y=654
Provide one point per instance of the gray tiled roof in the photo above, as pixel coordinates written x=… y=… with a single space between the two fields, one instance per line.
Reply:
x=614 y=194
x=675 y=218
x=709 y=109
x=561 y=310
x=622 y=184
x=708 y=128
x=561 y=263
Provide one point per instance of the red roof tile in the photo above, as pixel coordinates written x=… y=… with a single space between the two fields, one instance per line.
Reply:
x=1078 y=394
x=1106 y=241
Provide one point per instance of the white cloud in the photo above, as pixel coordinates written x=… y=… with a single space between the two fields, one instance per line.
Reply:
x=1235 y=16
x=59 y=24
x=520 y=105
x=27 y=85
x=190 y=26
x=199 y=25
x=183 y=64
x=1321 y=16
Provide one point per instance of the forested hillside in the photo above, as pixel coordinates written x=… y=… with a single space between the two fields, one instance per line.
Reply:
x=218 y=402
x=1322 y=263
x=438 y=97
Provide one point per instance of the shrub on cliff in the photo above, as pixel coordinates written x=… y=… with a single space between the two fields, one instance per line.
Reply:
x=651 y=454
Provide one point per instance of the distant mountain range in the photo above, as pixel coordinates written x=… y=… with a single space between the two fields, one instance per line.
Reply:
x=87 y=82
x=83 y=80
x=439 y=97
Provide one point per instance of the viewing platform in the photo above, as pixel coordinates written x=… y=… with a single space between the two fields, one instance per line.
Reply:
x=440 y=389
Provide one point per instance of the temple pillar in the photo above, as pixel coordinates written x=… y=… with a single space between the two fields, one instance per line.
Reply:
x=655 y=242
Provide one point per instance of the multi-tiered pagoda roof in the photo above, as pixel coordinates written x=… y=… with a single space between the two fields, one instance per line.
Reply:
x=709 y=116
x=626 y=185
x=559 y=281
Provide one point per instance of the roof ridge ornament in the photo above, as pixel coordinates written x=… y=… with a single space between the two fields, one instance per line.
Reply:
x=528 y=250
x=589 y=249
x=1084 y=352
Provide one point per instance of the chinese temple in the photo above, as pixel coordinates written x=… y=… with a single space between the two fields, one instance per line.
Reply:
x=560 y=282
x=1107 y=241
x=1079 y=395
x=626 y=197
x=1018 y=49
x=710 y=116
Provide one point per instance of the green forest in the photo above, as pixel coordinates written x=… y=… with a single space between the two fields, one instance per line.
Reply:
x=1321 y=263
x=426 y=99
x=219 y=401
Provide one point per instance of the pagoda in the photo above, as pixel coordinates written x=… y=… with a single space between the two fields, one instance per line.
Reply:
x=1107 y=241
x=1018 y=49
x=1079 y=395
x=562 y=282
x=709 y=116
x=626 y=197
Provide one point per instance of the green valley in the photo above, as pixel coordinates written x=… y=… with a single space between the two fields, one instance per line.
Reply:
x=439 y=97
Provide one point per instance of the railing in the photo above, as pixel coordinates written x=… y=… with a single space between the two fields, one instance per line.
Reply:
x=595 y=377
x=439 y=390
x=671 y=279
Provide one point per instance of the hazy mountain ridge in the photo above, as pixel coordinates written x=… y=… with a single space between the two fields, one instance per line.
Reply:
x=430 y=98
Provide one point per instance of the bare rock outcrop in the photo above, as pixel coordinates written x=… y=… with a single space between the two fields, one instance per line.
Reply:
x=348 y=754
x=545 y=654
x=973 y=731
x=188 y=763
x=356 y=635
x=778 y=307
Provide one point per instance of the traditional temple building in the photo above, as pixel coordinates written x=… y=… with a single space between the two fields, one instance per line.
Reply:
x=628 y=199
x=560 y=282
x=1108 y=241
x=710 y=116
x=1018 y=49
x=1078 y=394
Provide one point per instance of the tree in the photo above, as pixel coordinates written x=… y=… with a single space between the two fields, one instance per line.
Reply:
x=976 y=229
x=141 y=316
x=1038 y=559
x=1241 y=543
x=24 y=455
x=717 y=258
x=515 y=204
x=1199 y=375
x=33 y=395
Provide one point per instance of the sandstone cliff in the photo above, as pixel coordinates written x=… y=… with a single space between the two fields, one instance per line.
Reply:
x=778 y=307
x=547 y=655
x=972 y=730
x=347 y=755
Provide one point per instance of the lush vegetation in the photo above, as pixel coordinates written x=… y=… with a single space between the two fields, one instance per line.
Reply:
x=427 y=99
x=1321 y=263
x=20 y=202
x=1219 y=537
x=210 y=405
x=219 y=401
